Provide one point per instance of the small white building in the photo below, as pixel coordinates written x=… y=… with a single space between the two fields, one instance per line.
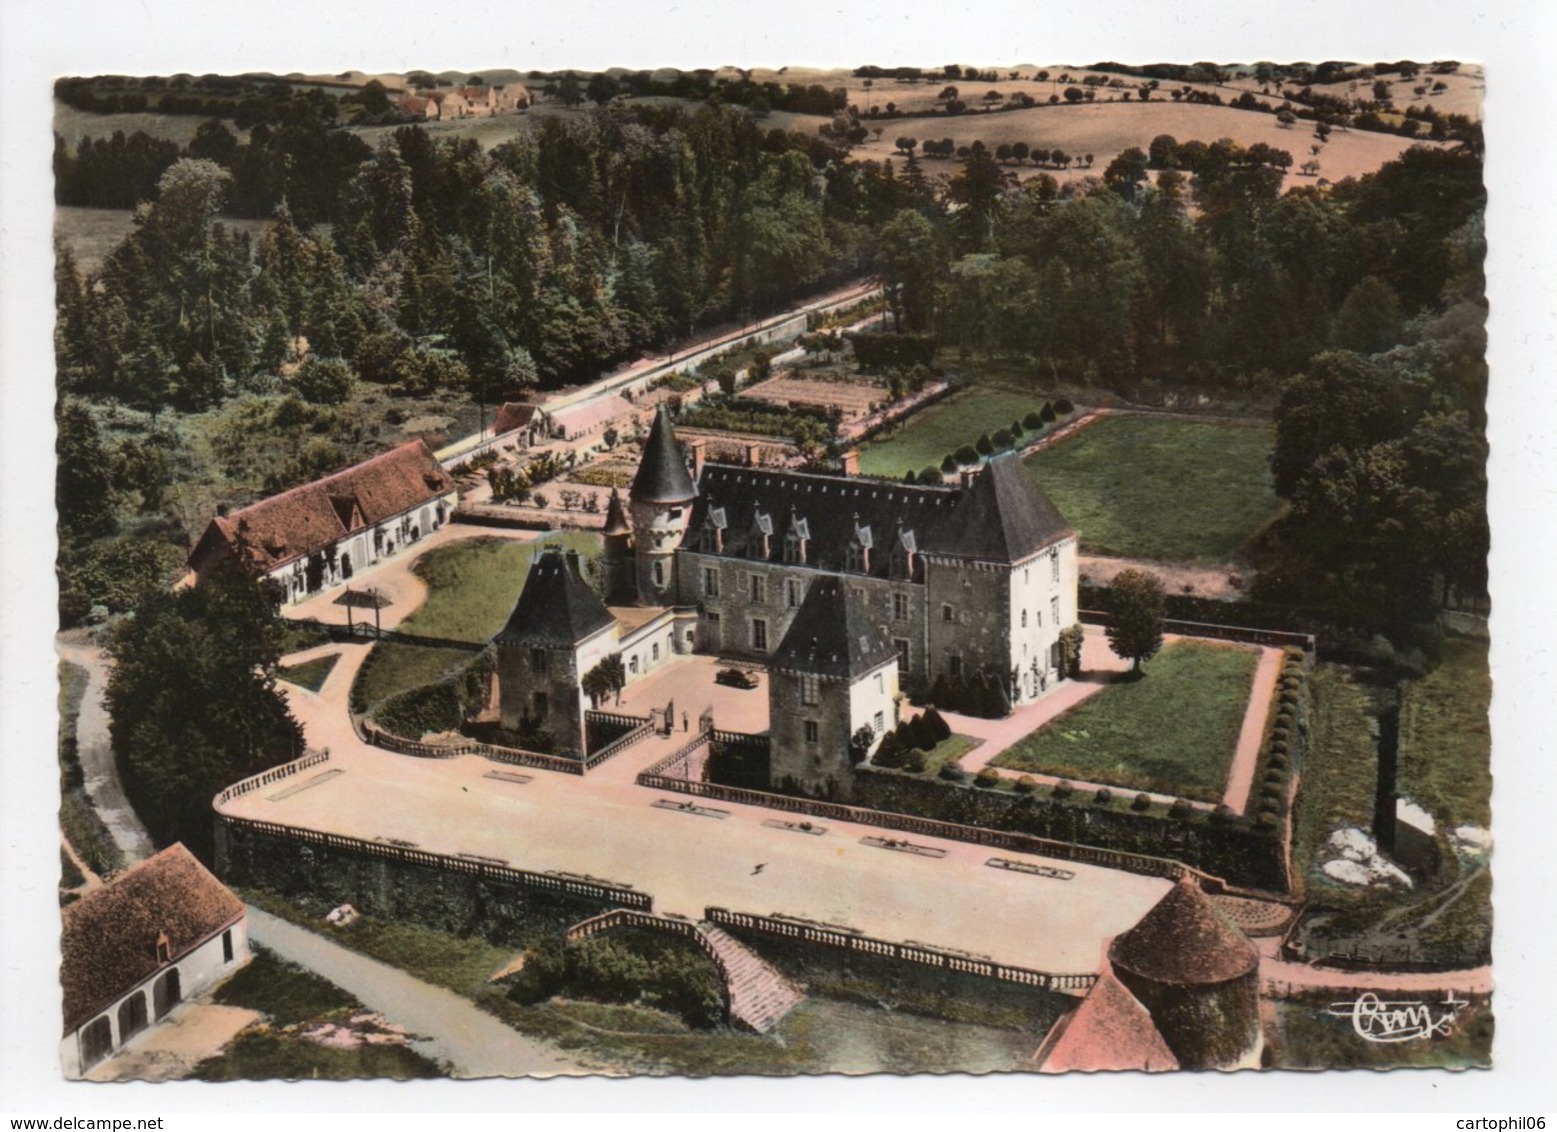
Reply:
x=320 y=534
x=133 y=950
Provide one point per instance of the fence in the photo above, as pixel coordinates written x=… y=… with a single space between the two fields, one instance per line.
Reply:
x=472 y=446
x=1270 y=638
x=391 y=742
x=631 y=918
x=394 y=636
x=274 y=774
x=905 y=952
x=642 y=731
x=471 y=866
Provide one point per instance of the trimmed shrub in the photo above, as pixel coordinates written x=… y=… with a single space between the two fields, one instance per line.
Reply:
x=1003 y=440
x=1017 y=430
x=1048 y=413
x=1181 y=809
x=949 y=464
x=1267 y=820
x=1033 y=421
x=939 y=729
x=951 y=772
x=967 y=456
x=1063 y=789
x=985 y=445
x=1027 y=784
x=1141 y=802
x=1063 y=405
x=1103 y=797
x=1222 y=815
x=931 y=475
x=910 y=476
x=1278 y=761
x=914 y=761
x=987 y=779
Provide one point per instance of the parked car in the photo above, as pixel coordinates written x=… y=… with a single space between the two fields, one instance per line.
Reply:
x=735 y=678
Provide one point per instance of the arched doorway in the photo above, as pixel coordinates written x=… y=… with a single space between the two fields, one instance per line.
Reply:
x=166 y=994
x=97 y=1041
x=132 y=1016
x=345 y=565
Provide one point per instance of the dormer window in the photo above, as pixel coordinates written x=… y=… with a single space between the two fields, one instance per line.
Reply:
x=760 y=545
x=858 y=551
x=796 y=540
x=792 y=552
x=164 y=948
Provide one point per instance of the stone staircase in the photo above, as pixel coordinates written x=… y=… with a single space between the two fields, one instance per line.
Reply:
x=759 y=995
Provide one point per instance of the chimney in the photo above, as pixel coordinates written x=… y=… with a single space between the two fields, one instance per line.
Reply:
x=699 y=450
x=968 y=476
x=221 y=510
x=573 y=563
x=851 y=462
x=754 y=455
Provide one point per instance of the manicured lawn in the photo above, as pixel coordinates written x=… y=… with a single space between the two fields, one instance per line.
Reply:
x=311 y=674
x=1160 y=488
x=944 y=427
x=948 y=750
x=472 y=586
x=1172 y=732
x=1445 y=741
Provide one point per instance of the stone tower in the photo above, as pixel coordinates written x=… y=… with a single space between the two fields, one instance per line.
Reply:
x=834 y=672
x=557 y=631
x=1197 y=976
x=616 y=558
x=661 y=503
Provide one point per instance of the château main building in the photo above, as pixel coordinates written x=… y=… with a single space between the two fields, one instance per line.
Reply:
x=966 y=581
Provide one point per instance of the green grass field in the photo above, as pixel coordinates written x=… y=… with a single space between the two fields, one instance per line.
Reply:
x=1159 y=487
x=926 y=438
x=311 y=674
x=1172 y=732
x=472 y=586
x=1445 y=740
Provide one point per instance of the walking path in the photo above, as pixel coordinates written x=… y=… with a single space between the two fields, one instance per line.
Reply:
x=471 y=1042
x=95 y=750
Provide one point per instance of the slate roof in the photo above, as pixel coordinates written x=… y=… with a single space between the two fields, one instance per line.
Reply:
x=109 y=941
x=1184 y=941
x=1002 y=517
x=662 y=471
x=834 y=634
x=315 y=515
x=1108 y=1030
x=616 y=516
x=555 y=608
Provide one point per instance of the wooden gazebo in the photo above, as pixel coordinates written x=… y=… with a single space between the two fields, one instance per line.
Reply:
x=366 y=598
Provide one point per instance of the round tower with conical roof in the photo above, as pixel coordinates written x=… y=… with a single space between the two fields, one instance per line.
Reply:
x=616 y=556
x=1197 y=975
x=661 y=505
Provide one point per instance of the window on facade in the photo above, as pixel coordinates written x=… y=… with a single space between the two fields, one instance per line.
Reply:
x=654 y=651
x=810 y=691
x=537 y=660
x=710 y=582
x=759 y=634
x=947 y=615
x=1024 y=618
x=1054 y=565
x=881 y=722
x=954 y=666
x=813 y=732
x=900 y=607
x=759 y=588
x=901 y=644
x=1054 y=609
x=792 y=592
x=1038 y=617
x=855 y=558
x=792 y=547
x=659 y=573
x=227 y=946
x=881 y=684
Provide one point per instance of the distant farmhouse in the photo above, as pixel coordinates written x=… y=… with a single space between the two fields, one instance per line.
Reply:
x=320 y=534
x=135 y=948
x=842 y=586
x=465 y=102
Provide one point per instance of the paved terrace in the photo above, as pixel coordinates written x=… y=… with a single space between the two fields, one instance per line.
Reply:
x=605 y=825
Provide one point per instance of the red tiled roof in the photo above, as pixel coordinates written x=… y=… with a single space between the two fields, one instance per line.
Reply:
x=109 y=941
x=1109 y=1030
x=1184 y=941
x=513 y=414
x=305 y=519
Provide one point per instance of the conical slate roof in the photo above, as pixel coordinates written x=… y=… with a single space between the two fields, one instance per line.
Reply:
x=834 y=634
x=1184 y=941
x=662 y=473
x=1109 y=1030
x=555 y=608
x=616 y=516
x=1002 y=517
